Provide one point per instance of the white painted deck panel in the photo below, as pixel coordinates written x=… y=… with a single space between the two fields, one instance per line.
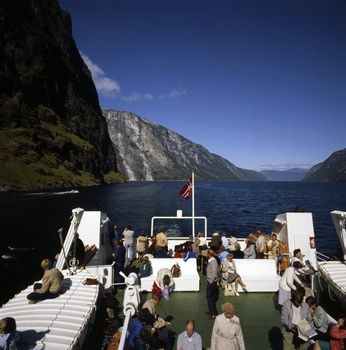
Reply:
x=54 y=324
x=335 y=272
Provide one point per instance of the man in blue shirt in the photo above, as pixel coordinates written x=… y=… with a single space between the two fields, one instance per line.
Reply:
x=189 y=339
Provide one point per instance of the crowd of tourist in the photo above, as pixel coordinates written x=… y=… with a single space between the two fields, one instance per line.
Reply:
x=305 y=324
x=149 y=331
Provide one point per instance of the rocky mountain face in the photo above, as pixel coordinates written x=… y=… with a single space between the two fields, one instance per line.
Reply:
x=294 y=174
x=52 y=132
x=148 y=151
x=332 y=169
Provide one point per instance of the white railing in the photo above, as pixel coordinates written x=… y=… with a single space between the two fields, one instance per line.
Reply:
x=320 y=257
x=180 y=218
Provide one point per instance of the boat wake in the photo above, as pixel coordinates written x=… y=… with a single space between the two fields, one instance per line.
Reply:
x=51 y=193
x=8 y=257
x=20 y=249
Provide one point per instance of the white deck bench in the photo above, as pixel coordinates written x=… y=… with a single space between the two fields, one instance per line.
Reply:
x=188 y=281
x=259 y=275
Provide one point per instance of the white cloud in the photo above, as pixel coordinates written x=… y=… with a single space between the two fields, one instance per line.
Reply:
x=177 y=93
x=285 y=166
x=105 y=86
x=174 y=93
x=148 y=96
x=136 y=96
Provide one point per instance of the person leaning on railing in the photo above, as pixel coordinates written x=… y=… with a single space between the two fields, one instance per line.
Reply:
x=287 y=282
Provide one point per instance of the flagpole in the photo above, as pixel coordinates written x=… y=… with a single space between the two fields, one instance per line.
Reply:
x=193 y=204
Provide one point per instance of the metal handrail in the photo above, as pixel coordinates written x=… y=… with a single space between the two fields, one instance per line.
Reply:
x=124 y=330
x=180 y=218
x=322 y=257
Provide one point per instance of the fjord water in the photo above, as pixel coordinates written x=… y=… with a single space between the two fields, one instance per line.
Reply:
x=29 y=221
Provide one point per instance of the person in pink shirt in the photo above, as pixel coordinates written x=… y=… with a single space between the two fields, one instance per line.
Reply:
x=337 y=334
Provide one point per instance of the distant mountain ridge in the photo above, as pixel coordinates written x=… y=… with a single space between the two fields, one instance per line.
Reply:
x=333 y=169
x=148 y=151
x=294 y=174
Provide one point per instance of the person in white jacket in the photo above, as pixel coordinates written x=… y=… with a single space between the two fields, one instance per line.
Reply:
x=287 y=280
x=128 y=242
x=227 y=333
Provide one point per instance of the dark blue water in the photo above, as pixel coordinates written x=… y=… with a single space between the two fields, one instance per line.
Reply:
x=29 y=223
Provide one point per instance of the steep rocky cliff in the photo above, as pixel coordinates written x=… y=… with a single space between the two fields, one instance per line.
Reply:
x=148 y=151
x=52 y=132
x=332 y=169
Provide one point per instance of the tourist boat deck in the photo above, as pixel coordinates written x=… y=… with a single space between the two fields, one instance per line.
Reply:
x=260 y=320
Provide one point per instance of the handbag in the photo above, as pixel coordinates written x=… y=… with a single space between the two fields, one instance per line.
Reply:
x=176 y=271
x=90 y=281
x=228 y=290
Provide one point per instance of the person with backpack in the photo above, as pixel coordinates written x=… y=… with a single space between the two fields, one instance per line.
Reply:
x=212 y=284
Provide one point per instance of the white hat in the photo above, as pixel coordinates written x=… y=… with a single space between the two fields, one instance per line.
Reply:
x=216 y=234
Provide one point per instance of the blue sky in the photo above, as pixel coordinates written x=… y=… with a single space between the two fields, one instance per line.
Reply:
x=262 y=83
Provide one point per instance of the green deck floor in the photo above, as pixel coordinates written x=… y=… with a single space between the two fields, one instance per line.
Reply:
x=259 y=319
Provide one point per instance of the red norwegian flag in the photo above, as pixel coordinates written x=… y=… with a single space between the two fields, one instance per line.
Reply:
x=186 y=191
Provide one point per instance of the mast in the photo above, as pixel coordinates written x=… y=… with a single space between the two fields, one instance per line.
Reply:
x=193 y=204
